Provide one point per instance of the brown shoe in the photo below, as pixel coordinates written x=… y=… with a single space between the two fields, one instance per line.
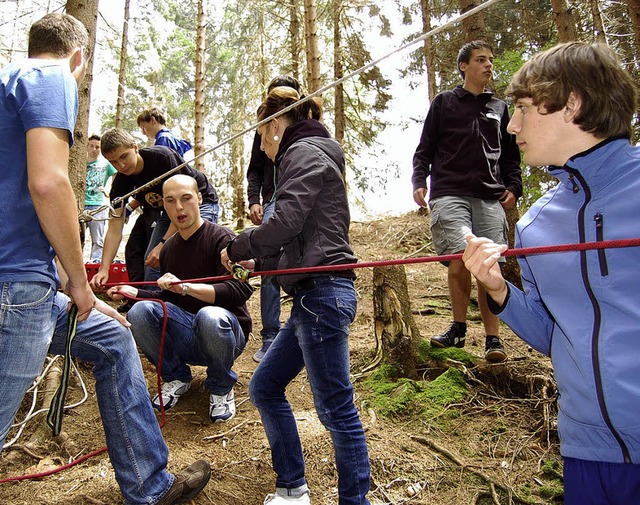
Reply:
x=188 y=483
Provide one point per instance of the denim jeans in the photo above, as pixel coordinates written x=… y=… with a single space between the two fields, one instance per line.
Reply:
x=315 y=336
x=212 y=338
x=208 y=211
x=34 y=321
x=96 y=230
x=269 y=295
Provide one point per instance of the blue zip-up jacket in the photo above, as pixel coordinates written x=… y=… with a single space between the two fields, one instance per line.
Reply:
x=583 y=308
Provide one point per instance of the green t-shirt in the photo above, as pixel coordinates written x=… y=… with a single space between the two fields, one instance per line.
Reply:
x=98 y=173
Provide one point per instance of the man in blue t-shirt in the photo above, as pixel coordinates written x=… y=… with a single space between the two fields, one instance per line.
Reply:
x=38 y=221
x=154 y=126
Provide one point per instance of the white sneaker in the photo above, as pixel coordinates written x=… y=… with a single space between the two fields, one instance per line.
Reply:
x=171 y=391
x=276 y=499
x=222 y=408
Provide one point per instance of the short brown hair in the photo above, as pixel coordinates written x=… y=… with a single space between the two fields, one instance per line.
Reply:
x=592 y=71
x=114 y=138
x=58 y=34
x=152 y=113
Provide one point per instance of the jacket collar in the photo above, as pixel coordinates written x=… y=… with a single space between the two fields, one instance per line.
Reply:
x=298 y=131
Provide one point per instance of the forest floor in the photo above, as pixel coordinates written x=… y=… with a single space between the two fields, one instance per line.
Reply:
x=498 y=444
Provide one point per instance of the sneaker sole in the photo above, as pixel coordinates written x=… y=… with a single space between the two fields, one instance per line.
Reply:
x=495 y=356
x=437 y=343
x=197 y=490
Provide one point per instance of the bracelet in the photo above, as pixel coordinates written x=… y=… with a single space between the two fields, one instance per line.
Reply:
x=185 y=289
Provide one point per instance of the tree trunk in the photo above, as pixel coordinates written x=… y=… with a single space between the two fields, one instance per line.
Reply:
x=395 y=327
x=633 y=7
x=564 y=20
x=122 y=73
x=598 y=25
x=311 y=40
x=294 y=29
x=511 y=270
x=429 y=51
x=237 y=181
x=87 y=12
x=201 y=43
x=473 y=26
x=338 y=71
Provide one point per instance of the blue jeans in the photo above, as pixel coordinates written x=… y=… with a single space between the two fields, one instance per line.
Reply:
x=34 y=321
x=315 y=336
x=96 y=230
x=212 y=338
x=208 y=211
x=269 y=295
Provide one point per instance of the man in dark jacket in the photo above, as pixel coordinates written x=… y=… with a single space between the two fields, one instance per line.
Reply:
x=208 y=324
x=474 y=166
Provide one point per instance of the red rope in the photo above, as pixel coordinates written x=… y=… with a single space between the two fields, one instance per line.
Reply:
x=523 y=251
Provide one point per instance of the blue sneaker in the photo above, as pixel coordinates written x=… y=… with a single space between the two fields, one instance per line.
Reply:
x=257 y=357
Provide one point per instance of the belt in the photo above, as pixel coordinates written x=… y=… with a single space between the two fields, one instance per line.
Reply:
x=312 y=282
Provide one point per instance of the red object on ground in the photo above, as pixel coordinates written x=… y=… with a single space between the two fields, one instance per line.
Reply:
x=117 y=273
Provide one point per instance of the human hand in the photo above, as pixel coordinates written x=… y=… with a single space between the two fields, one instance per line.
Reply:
x=153 y=258
x=121 y=292
x=481 y=259
x=256 y=213
x=507 y=199
x=99 y=280
x=224 y=259
x=170 y=282
x=419 y=196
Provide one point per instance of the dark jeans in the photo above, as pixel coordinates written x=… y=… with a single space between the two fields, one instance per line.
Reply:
x=315 y=337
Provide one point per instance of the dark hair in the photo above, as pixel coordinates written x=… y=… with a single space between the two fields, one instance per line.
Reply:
x=607 y=92
x=114 y=138
x=94 y=137
x=58 y=34
x=464 y=54
x=284 y=80
x=281 y=97
x=152 y=113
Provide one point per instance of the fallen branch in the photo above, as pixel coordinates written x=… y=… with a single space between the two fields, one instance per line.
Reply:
x=236 y=427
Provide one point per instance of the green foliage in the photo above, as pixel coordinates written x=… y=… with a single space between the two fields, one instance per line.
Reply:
x=402 y=397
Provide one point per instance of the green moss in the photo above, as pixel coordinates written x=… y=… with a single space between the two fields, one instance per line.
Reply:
x=401 y=397
x=428 y=353
x=551 y=490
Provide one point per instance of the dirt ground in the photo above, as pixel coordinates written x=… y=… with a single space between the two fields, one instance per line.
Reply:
x=501 y=448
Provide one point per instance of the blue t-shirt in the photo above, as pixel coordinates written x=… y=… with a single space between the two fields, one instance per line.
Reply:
x=33 y=94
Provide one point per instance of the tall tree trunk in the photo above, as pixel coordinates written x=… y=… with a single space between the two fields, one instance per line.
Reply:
x=294 y=29
x=564 y=20
x=122 y=73
x=598 y=25
x=394 y=325
x=633 y=6
x=338 y=71
x=237 y=181
x=201 y=46
x=313 y=50
x=473 y=26
x=429 y=51
x=87 y=12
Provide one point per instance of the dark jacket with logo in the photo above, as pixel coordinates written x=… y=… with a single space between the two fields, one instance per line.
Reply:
x=466 y=149
x=310 y=224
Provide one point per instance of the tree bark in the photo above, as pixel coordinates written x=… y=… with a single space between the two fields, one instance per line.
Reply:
x=87 y=12
x=633 y=6
x=564 y=20
x=122 y=73
x=294 y=29
x=395 y=327
x=429 y=51
x=473 y=26
x=598 y=25
x=338 y=72
x=511 y=269
x=201 y=46
x=311 y=41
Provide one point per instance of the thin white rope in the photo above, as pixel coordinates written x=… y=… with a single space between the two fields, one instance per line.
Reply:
x=316 y=93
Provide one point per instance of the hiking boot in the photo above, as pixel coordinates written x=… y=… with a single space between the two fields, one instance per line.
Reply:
x=222 y=408
x=494 y=350
x=453 y=337
x=276 y=499
x=257 y=357
x=188 y=483
x=171 y=391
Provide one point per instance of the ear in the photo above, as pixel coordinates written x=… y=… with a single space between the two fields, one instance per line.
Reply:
x=78 y=64
x=462 y=67
x=199 y=198
x=572 y=108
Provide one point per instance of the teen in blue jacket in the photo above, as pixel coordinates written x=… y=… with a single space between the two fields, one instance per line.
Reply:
x=581 y=308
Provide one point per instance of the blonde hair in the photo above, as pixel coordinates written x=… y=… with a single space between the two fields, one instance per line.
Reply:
x=281 y=97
